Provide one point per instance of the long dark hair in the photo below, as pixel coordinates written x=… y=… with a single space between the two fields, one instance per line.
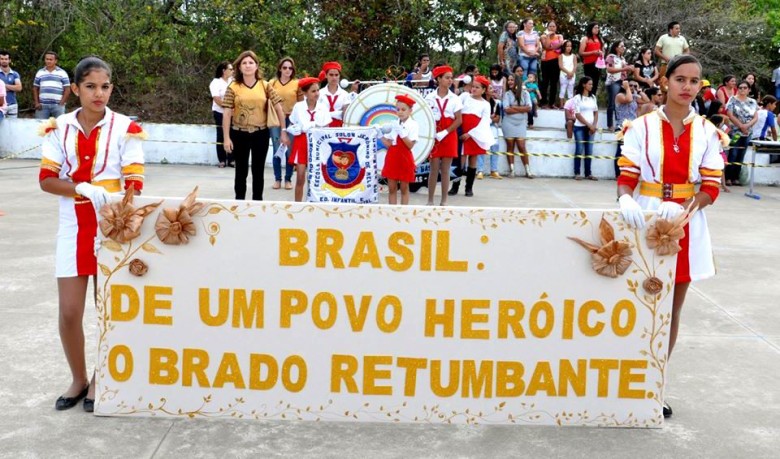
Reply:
x=221 y=69
x=614 y=46
x=581 y=85
x=590 y=35
x=679 y=60
x=281 y=63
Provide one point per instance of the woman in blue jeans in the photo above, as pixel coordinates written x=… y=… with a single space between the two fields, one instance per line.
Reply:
x=286 y=86
x=529 y=46
x=586 y=114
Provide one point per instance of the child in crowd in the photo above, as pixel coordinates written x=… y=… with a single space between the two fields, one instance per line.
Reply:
x=497 y=81
x=495 y=120
x=568 y=110
x=567 y=62
x=399 y=162
x=446 y=107
x=477 y=137
x=308 y=113
x=533 y=90
x=766 y=123
x=720 y=122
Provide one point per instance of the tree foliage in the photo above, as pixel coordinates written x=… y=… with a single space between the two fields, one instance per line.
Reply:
x=164 y=51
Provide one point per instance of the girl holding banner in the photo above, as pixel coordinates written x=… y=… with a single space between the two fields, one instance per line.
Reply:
x=86 y=154
x=446 y=107
x=335 y=98
x=305 y=114
x=399 y=162
x=666 y=152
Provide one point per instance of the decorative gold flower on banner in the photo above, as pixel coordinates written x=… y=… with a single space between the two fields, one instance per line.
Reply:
x=612 y=258
x=121 y=220
x=653 y=285
x=664 y=236
x=175 y=226
x=137 y=267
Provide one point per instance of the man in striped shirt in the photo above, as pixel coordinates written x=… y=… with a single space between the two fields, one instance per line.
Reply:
x=51 y=88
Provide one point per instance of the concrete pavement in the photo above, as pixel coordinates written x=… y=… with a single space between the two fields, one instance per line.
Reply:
x=723 y=376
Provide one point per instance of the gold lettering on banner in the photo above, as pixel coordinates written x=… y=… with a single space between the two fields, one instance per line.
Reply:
x=113 y=369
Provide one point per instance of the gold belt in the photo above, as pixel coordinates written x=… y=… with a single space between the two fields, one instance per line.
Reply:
x=667 y=190
x=249 y=129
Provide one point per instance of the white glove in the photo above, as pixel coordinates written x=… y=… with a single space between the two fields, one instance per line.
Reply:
x=306 y=126
x=669 y=210
x=378 y=129
x=97 y=194
x=631 y=212
x=97 y=245
x=441 y=135
x=294 y=129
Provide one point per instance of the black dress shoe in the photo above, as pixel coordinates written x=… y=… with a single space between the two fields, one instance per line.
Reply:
x=667 y=410
x=66 y=403
x=89 y=405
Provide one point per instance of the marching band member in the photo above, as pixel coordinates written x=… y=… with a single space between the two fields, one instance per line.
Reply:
x=310 y=112
x=446 y=107
x=477 y=137
x=399 y=162
x=666 y=152
x=336 y=98
x=86 y=155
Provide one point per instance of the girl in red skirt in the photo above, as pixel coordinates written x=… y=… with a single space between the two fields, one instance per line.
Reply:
x=86 y=154
x=399 y=162
x=477 y=137
x=305 y=114
x=446 y=107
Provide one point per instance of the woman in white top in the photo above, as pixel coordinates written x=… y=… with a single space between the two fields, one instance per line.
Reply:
x=222 y=78
x=567 y=62
x=586 y=113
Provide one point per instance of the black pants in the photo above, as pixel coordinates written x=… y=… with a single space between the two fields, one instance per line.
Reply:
x=244 y=144
x=221 y=156
x=592 y=71
x=550 y=75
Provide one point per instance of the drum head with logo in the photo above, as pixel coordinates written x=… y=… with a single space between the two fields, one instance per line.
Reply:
x=376 y=106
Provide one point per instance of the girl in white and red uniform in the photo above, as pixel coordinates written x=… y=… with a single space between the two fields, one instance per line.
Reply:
x=399 y=163
x=477 y=136
x=87 y=154
x=335 y=98
x=305 y=114
x=446 y=107
x=665 y=153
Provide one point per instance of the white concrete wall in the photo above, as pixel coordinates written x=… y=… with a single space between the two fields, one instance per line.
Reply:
x=193 y=144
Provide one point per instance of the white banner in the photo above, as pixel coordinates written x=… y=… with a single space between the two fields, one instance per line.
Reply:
x=342 y=165
x=378 y=313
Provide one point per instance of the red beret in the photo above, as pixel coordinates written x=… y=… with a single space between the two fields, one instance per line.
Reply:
x=405 y=99
x=330 y=66
x=441 y=70
x=308 y=81
x=482 y=81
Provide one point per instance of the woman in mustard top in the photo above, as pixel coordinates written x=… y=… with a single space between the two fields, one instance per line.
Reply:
x=245 y=122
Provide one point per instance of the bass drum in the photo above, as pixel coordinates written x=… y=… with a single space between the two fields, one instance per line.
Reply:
x=376 y=106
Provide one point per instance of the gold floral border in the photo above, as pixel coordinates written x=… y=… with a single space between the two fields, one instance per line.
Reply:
x=527 y=412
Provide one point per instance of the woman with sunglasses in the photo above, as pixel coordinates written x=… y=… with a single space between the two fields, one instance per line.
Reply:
x=286 y=86
x=742 y=111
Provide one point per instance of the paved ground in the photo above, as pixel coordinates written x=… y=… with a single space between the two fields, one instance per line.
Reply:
x=724 y=374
